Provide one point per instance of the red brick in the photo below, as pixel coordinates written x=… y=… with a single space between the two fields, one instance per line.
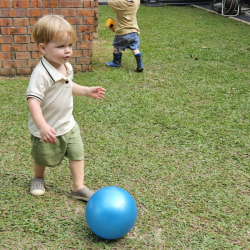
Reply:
x=13 y=47
x=32 y=47
x=74 y=20
x=13 y=31
x=36 y=54
x=90 y=29
x=88 y=20
x=87 y=53
x=5 y=39
x=33 y=21
x=85 y=12
x=89 y=4
x=22 y=55
x=5 y=4
x=96 y=16
x=17 y=18
x=20 y=22
x=85 y=28
x=84 y=45
x=5 y=22
x=65 y=12
x=79 y=36
x=12 y=13
x=30 y=30
x=70 y=3
x=23 y=71
x=7 y=72
x=32 y=39
x=83 y=60
x=38 y=12
x=77 y=53
x=35 y=4
x=15 y=64
x=72 y=61
x=6 y=56
x=21 y=4
x=50 y=4
x=87 y=37
x=77 y=68
x=33 y=63
x=86 y=68
x=22 y=39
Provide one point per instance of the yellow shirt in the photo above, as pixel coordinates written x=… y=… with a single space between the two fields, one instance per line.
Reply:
x=125 y=16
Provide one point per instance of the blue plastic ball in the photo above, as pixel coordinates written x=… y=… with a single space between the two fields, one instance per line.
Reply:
x=111 y=212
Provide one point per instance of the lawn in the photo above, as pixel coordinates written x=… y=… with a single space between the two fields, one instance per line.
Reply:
x=176 y=137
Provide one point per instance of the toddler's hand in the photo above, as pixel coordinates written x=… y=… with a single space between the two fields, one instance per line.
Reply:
x=97 y=92
x=48 y=134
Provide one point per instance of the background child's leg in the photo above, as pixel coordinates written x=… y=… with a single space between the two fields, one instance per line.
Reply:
x=136 y=51
x=116 y=50
x=77 y=171
x=117 y=58
x=138 y=58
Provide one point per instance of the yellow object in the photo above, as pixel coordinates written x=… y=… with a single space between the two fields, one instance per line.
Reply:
x=110 y=23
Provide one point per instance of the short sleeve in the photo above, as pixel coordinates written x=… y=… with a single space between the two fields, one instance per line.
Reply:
x=37 y=85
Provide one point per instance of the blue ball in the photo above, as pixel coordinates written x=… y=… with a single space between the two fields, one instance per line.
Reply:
x=111 y=212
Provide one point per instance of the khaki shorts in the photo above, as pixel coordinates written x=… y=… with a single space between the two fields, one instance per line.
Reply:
x=52 y=154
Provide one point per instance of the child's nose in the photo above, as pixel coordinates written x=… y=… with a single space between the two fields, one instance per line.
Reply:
x=67 y=49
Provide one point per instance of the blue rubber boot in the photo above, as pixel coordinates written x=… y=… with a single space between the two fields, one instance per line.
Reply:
x=117 y=58
x=140 y=66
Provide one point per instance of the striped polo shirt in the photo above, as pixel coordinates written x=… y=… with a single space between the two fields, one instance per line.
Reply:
x=54 y=91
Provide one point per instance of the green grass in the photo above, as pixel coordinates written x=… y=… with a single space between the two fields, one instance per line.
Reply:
x=175 y=136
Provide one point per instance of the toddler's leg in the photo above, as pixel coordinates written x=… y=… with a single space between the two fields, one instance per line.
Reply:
x=138 y=58
x=79 y=190
x=136 y=51
x=37 y=184
x=39 y=171
x=117 y=58
x=77 y=171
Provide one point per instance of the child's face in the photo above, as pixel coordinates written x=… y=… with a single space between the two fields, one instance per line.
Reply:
x=56 y=52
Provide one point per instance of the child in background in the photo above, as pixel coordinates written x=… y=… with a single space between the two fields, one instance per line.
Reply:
x=54 y=132
x=126 y=31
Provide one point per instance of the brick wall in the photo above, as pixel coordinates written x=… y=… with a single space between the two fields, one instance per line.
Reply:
x=18 y=51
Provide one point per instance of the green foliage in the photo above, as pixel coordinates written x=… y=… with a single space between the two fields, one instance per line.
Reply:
x=175 y=136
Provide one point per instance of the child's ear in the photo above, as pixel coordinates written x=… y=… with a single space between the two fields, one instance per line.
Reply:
x=42 y=48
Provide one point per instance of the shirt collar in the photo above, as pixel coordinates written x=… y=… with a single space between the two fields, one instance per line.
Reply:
x=53 y=73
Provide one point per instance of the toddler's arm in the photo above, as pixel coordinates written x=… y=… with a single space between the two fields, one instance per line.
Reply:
x=47 y=133
x=95 y=92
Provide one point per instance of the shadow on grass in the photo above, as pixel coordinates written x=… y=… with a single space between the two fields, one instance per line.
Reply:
x=83 y=231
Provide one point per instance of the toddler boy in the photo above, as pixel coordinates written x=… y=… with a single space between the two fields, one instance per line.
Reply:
x=54 y=131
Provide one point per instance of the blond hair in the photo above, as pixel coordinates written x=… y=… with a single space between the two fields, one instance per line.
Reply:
x=52 y=27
